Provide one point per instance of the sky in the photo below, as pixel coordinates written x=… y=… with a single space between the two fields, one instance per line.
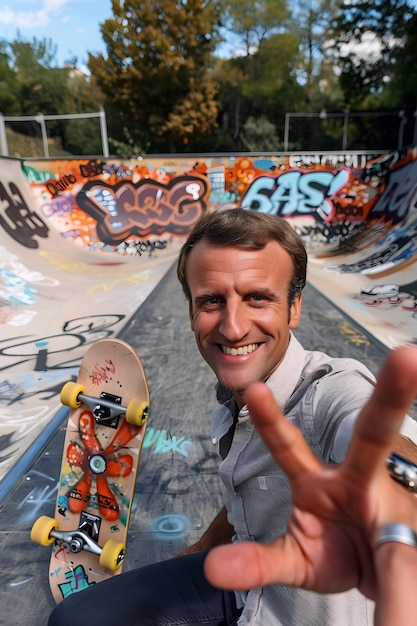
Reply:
x=73 y=25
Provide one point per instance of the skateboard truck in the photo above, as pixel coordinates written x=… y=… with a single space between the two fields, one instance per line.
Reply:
x=46 y=530
x=107 y=408
x=104 y=409
x=77 y=540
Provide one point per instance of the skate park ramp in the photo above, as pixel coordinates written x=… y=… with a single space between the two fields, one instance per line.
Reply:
x=83 y=243
x=88 y=250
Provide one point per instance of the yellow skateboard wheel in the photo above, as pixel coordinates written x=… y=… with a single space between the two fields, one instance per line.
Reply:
x=112 y=555
x=69 y=394
x=137 y=412
x=41 y=530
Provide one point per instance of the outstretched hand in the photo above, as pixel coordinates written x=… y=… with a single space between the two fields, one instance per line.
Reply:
x=336 y=509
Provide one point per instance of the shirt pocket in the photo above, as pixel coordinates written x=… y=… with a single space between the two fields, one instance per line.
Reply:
x=265 y=507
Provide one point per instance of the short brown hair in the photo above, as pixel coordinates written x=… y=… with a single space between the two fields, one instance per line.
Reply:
x=246 y=229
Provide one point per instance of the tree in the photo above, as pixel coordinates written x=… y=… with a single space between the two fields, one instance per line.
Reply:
x=367 y=37
x=156 y=68
x=310 y=21
x=259 y=135
x=9 y=86
x=250 y=22
x=261 y=64
x=43 y=87
x=403 y=86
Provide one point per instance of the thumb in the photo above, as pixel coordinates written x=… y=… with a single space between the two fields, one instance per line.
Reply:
x=245 y=565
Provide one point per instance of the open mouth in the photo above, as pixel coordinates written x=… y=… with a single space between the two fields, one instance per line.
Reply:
x=241 y=350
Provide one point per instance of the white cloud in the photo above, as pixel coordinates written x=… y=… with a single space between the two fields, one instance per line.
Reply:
x=25 y=20
x=367 y=48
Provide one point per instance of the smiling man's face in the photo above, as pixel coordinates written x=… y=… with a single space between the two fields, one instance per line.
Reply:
x=239 y=310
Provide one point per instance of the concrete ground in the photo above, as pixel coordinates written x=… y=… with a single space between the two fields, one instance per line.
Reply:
x=178 y=491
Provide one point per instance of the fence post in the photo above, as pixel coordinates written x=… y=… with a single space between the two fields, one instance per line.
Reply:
x=286 y=131
x=41 y=120
x=4 y=148
x=345 y=130
x=104 y=139
x=415 y=128
x=403 y=122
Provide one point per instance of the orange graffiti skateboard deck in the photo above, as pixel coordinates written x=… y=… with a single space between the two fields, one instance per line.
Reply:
x=109 y=408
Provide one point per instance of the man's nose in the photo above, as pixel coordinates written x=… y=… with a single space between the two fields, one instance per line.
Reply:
x=235 y=323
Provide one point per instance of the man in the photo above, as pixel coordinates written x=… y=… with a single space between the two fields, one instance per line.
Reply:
x=243 y=273
x=361 y=531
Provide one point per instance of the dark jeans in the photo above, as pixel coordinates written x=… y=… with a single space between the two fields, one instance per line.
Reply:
x=168 y=593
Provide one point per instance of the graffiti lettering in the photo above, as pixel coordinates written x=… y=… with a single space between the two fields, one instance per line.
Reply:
x=60 y=205
x=60 y=185
x=91 y=324
x=395 y=202
x=91 y=169
x=161 y=443
x=398 y=250
x=335 y=160
x=102 y=372
x=15 y=290
x=349 y=211
x=170 y=527
x=38 y=499
x=295 y=192
x=17 y=220
x=141 y=247
x=77 y=580
x=76 y=333
x=145 y=208
x=340 y=232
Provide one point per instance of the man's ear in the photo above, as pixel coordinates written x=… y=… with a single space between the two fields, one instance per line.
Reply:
x=295 y=311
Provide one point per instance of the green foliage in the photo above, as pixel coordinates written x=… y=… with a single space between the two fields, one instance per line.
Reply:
x=259 y=135
x=158 y=56
x=402 y=90
x=9 y=85
x=29 y=82
x=82 y=136
x=367 y=38
x=252 y=22
x=310 y=22
x=168 y=85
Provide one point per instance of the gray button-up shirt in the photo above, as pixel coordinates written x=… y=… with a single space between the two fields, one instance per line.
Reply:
x=322 y=396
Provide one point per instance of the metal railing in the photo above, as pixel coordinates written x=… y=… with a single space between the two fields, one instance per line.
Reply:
x=346 y=116
x=41 y=119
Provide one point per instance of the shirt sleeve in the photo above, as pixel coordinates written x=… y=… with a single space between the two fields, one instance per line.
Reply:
x=345 y=431
x=342 y=437
x=338 y=399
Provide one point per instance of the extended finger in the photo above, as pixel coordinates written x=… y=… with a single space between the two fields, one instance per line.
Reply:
x=380 y=420
x=247 y=565
x=284 y=441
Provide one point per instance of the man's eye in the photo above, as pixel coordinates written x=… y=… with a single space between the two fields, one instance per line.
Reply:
x=257 y=298
x=213 y=300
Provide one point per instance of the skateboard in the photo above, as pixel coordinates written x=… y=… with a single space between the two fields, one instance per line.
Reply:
x=109 y=407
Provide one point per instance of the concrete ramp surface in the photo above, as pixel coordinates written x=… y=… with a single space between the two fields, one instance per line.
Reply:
x=83 y=243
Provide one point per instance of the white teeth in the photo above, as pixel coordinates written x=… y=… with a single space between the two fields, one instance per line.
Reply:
x=242 y=350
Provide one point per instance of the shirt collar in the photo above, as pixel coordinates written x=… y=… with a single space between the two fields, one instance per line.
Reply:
x=282 y=382
x=284 y=379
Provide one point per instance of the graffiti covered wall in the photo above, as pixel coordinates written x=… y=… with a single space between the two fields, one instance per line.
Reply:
x=83 y=243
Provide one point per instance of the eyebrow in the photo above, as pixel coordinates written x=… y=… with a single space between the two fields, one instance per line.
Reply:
x=265 y=291
x=204 y=296
x=258 y=291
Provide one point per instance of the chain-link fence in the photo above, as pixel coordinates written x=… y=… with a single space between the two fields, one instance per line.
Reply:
x=347 y=130
x=79 y=134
